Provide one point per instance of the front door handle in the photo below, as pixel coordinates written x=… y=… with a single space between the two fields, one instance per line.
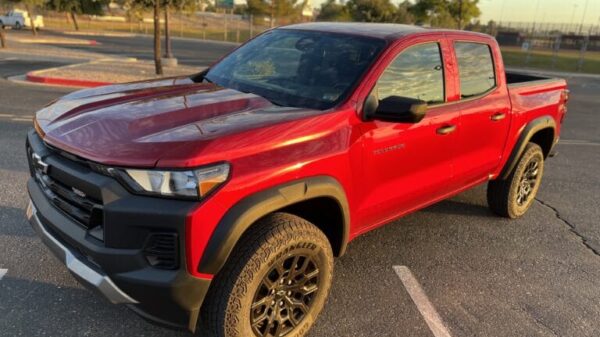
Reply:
x=498 y=116
x=447 y=129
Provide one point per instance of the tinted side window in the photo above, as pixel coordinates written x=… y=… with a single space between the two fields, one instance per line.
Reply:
x=476 y=68
x=416 y=73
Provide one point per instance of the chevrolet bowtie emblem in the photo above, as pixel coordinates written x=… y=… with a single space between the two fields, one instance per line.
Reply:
x=38 y=163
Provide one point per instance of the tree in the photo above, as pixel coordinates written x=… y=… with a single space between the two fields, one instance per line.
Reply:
x=445 y=13
x=287 y=10
x=2 y=38
x=334 y=11
x=75 y=7
x=136 y=7
x=372 y=10
x=462 y=11
x=404 y=14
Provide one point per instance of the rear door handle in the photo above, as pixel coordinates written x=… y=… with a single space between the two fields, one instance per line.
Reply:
x=447 y=129
x=498 y=116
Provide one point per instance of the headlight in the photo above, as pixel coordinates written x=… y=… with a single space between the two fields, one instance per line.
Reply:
x=187 y=184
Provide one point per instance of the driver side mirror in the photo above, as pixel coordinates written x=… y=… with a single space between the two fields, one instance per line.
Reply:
x=395 y=109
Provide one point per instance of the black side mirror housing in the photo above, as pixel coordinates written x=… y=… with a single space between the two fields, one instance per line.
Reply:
x=395 y=109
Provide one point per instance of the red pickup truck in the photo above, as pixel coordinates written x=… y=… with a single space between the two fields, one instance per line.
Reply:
x=218 y=201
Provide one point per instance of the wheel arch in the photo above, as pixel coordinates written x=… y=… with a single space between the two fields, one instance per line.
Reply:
x=541 y=131
x=308 y=198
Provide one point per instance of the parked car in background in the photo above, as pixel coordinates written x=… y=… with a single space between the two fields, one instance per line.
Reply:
x=19 y=19
x=219 y=199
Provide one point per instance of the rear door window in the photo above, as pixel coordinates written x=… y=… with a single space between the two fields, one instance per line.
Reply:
x=475 y=67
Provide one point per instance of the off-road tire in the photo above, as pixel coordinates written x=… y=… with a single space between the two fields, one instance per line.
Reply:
x=503 y=195
x=278 y=237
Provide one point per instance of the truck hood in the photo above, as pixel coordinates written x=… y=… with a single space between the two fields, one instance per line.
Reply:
x=136 y=124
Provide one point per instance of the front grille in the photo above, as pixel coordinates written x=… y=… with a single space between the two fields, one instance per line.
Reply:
x=161 y=250
x=80 y=207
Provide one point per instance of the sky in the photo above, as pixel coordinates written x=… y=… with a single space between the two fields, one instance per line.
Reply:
x=556 y=11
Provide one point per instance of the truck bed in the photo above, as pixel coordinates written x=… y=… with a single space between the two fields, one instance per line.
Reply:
x=533 y=96
x=514 y=78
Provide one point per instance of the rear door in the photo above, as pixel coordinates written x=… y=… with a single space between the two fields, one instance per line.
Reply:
x=407 y=165
x=484 y=108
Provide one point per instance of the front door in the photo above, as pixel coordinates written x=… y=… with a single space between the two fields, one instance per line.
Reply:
x=407 y=165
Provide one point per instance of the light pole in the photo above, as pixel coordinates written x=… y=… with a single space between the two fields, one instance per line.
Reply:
x=537 y=6
x=573 y=17
x=583 y=16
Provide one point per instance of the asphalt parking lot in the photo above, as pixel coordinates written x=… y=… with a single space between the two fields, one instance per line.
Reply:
x=485 y=276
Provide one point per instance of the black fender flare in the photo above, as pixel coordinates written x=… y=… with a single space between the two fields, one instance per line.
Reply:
x=247 y=211
x=540 y=123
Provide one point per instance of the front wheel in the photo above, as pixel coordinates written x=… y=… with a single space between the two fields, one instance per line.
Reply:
x=18 y=26
x=275 y=283
x=513 y=196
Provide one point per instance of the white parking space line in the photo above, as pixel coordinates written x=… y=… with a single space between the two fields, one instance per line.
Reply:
x=2 y=273
x=22 y=119
x=578 y=142
x=432 y=318
x=6 y=115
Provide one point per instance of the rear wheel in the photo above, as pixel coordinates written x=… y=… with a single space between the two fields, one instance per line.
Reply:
x=18 y=25
x=276 y=281
x=513 y=196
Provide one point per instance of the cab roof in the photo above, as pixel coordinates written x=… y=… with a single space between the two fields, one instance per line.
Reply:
x=386 y=31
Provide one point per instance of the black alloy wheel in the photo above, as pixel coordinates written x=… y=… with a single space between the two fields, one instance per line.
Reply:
x=285 y=296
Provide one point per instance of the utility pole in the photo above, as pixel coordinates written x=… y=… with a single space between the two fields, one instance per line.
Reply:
x=167 y=34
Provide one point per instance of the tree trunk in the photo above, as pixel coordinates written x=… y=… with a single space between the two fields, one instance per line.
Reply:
x=74 y=18
x=167 y=34
x=460 y=14
x=31 y=19
x=2 y=38
x=272 y=23
x=157 y=61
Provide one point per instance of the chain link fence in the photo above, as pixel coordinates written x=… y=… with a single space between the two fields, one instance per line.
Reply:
x=553 y=46
x=199 y=25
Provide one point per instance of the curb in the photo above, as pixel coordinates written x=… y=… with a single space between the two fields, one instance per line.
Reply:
x=59 y=43
x=32 y=77
x=37 y=77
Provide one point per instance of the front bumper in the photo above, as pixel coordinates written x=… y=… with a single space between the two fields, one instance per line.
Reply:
x=110 y=253
x=79 y=269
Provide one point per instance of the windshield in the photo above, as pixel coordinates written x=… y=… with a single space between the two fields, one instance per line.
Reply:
x=298 y=68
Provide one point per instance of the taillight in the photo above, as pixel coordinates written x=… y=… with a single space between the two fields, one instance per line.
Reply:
x=562 y=106
x=565 y=96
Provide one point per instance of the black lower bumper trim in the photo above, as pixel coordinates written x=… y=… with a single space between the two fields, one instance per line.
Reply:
x=171 y=298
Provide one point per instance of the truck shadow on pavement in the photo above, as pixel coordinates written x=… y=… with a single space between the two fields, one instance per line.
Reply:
x=34 y=308
x=14 y=223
